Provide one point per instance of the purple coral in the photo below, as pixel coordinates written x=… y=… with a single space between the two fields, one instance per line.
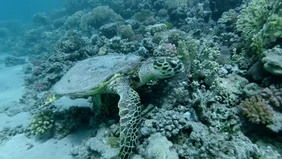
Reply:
x=273 y=95
x=265 y=108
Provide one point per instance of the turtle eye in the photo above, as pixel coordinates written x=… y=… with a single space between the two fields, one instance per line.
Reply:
x=172 y=64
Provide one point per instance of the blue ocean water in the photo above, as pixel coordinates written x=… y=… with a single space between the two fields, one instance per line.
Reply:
x=23 y=10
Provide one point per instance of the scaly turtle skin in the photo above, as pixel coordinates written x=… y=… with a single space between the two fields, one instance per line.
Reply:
x=115 y=74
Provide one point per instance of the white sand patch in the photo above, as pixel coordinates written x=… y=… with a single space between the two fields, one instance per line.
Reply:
x=23 y=147
x=11 y=84
x=21 y=119
x=13 y=114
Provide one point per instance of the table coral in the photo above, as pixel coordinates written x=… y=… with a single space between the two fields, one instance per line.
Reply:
x=272 y=61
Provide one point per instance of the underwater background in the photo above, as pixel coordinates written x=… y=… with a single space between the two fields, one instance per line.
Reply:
x=196 y=79
x=23 y=10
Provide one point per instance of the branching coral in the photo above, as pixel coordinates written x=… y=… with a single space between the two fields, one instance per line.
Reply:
x=272 y=30
x=252 y=18
x=257 y=110
x=260 y=24
x=265 y=108
x=42 y=123
x=200 y=57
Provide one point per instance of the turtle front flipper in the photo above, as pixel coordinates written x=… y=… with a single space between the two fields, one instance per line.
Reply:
x=129 y=111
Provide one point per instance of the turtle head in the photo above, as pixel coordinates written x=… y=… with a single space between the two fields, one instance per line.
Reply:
x=160 y=68
x=167 y=67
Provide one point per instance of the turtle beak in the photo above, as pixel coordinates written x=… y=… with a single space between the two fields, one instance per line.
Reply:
x=177 y=65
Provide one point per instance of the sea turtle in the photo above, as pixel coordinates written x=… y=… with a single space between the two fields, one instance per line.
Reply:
x=118 y=74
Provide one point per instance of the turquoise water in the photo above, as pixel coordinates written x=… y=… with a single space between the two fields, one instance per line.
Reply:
x=23 y=10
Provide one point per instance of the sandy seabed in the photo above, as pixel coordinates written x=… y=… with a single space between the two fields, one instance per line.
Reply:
x=15 y=115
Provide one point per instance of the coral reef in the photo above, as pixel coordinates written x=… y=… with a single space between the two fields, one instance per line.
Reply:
x=160 y=148
x=165 y=49
x=218 y=7
x=232 y=55
x=99 y=146
x=273 y=94
x=169 y=123
x=252 y=19
x=204 y=143
x=230 y=88
x=156 y=28
x=260 y=24
x=97 y=17
x=219 y=116
x=42 y=123
x=71 y=119
x=200 y=58
x=59 y=123
x=265 y=108
x=257 y=110
x=73 y=21
x=126 y=32
x=272 y=61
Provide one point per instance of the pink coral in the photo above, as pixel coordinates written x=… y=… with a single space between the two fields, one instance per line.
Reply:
x=257 y=110
x=273 y=95
x=261 y=108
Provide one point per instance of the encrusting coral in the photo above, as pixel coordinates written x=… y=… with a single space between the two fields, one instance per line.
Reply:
x=272 y=60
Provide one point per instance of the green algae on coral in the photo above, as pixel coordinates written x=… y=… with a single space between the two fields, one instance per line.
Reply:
x=260 y=25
